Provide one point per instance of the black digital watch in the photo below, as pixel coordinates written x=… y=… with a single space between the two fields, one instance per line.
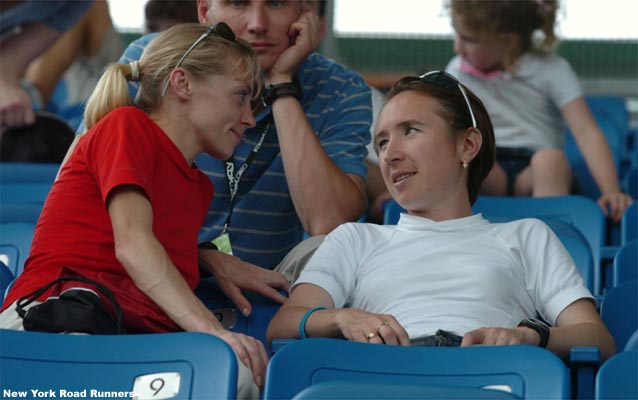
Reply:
x=540 y=327
x=273 y=92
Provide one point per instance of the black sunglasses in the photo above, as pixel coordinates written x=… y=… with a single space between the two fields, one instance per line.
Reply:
x=220 y=29
x=446 y=81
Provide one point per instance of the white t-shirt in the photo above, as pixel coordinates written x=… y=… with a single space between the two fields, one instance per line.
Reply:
x=525 y=107
x=456 y=275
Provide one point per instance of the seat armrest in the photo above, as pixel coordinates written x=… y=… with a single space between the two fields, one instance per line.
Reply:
x=584 y=363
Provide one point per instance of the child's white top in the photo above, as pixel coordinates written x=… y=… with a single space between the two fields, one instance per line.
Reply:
x=525 y=106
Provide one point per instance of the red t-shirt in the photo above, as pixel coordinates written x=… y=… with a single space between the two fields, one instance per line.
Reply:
x=74 y=230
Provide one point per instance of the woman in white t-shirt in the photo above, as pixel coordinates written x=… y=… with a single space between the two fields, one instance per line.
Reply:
x=442 y=276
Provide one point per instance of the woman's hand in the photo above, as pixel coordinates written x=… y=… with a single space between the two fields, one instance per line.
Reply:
x=234 y=275
x=362 y=326
x=250 y=351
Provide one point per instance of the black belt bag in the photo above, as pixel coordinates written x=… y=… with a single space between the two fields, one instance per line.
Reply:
x=75 y=310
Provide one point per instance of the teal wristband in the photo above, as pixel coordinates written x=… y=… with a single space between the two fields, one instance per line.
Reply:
x=304 y=319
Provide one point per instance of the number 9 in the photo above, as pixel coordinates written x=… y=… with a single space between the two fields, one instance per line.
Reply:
x=154 y=387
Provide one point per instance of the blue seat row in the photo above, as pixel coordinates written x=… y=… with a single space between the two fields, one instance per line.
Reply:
x=23 y=190
x=199 y=366
x=15 y=243
x=150 y=366
x=338 y=369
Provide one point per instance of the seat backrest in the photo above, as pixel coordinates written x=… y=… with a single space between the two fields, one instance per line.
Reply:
x=619 y=311
x=617 y=378
x=630 y=182
x=15 y=243
x=612 y=108
x=24 y=193
x=632 y=342
x=28 y=213
x=255 y=325
x=524 y=371
x=366 y=391
x=392 y=212
x=6 y=277
x=578 y=248
x=629 y=223
x=579 y=211
x=183 y=365
x=626 y=263
x=23 y=172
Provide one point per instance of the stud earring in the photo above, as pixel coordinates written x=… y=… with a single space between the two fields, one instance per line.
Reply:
x=465 y=164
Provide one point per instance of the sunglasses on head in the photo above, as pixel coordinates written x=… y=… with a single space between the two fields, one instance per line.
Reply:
x=446 y=81
x=220 y=29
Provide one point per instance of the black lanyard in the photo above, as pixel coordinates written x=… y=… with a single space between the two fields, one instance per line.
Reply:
x=233 y=178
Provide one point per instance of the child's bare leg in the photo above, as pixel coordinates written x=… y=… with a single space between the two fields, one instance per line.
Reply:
x=550 y=173
x=496 y=182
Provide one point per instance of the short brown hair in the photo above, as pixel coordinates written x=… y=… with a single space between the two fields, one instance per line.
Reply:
x=453 y=109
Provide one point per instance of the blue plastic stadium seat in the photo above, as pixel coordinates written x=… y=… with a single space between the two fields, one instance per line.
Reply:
x=523 y=371
x=618 y=377
x=24 y=193
x=626 y=263
x=254 y=325
x=578 y=248
x=619 y=312
x=613 y=108
x=19 y=172
x=23 y=190
x=183 y=365
x=578 y=211
x=392 y=213
x=632 y=342
x=630 y=183
x=26 y=213
x=370 y=390
x=15 y=243
x=6 y=278
x=629 y=224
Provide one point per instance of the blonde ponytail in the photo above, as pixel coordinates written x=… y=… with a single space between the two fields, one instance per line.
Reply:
x=213 y=56
x=110 y=92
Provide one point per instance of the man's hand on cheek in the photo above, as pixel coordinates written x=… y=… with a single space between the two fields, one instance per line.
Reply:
x=304 y=40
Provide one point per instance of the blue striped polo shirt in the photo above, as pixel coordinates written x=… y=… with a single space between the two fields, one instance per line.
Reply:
x=264 y=224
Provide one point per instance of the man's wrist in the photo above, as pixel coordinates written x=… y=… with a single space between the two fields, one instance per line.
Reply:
x=274 y=92
x=540 y=327
x=275 y=79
